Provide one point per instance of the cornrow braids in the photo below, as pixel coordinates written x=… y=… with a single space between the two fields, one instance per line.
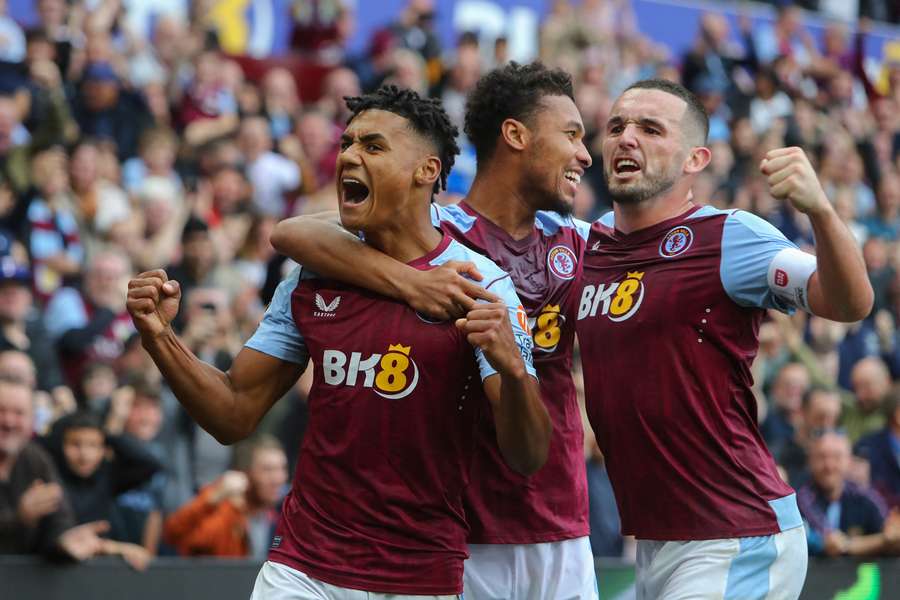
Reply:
x=513 y=91
x=426 y=116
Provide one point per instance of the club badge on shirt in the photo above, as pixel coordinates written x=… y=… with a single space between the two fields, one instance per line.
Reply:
x=676 y=241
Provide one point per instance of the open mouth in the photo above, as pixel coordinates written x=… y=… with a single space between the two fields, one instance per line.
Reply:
x=573 y=176
x=624 y=166
x=354 y=191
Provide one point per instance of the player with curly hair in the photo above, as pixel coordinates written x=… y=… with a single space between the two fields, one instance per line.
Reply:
x=528 y=536
x=376 y=505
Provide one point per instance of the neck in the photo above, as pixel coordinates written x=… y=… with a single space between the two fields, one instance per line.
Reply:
x=640 y=215
x=406 y=240
x=834 y=494
x=501 y=201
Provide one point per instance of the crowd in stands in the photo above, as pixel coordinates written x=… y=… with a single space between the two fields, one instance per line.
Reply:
x=121 y=153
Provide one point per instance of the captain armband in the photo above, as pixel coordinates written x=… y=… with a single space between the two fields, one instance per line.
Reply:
x=789 y=274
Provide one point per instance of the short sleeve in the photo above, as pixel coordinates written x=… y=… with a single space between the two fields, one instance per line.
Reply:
x=277 y=334
x=749 y=245
x=503 y=287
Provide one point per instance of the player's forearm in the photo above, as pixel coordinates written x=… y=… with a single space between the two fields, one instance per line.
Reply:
x=522 y=422
x=203 y=390
x=322 y=245
x=842 y=292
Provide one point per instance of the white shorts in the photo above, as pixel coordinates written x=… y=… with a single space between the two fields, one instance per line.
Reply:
x=770 y=567
x=548 y=571
x=280 y=582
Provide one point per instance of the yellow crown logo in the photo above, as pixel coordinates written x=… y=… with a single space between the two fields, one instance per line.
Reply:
x=400 y=348
x=635 y=275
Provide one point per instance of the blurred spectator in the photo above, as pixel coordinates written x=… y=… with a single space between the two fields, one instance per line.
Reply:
x=280 y=101
x=338 y=84
x=208 y=109
x=272 y=175
x=235 y=515
x=156 y=158
x=821 y=412
x=882 y=450
x=106 y=110
x=90 y=323
x=319 y=137
x=198 y=260
x=54 y=240
x=138 y=512
x=321 y=28
x=414 y=29
x=785 y=402
x=99 y=204
x=885 y=223
x=21 y=326
x=713 y=56
x=871 y=383
x=34 y=515
x=460 y=80
x=842 y=518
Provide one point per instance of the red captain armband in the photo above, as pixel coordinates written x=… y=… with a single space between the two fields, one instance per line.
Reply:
x=789 y=274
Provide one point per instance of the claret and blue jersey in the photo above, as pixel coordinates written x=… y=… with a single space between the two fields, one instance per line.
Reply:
x=376 y=502
x=545 y=266
x=667 y=319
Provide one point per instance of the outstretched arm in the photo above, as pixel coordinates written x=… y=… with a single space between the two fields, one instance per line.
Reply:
x=320 y=243
x=228 y=405
x=839 y=289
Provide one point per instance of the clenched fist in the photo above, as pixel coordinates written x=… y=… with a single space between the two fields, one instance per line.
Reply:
x=791 y=177
x=152 y=302
x=487 y=326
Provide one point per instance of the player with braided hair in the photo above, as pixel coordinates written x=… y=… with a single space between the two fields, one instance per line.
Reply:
x=376 y=504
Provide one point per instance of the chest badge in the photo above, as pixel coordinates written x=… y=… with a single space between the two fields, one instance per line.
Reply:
x=676 y=241
x=561 y=261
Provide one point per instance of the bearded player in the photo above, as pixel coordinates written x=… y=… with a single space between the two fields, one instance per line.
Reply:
x=529 y=535
x=376 y=505
x=673 y=294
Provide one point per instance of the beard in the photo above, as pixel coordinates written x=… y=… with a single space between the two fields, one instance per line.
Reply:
x=544 y=196
x=648 y=187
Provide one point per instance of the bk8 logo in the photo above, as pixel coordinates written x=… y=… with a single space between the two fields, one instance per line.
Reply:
x=547 y=328
x=618 y=300
x=388 y=374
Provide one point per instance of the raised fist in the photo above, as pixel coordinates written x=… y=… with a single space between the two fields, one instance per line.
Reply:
x=792 y=177
x=152 y=302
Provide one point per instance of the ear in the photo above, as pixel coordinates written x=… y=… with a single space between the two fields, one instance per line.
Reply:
x=697 y=160
x=428 y=171
x=515 y=134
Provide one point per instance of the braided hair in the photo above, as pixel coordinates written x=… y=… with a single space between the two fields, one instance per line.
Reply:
x=426 y=116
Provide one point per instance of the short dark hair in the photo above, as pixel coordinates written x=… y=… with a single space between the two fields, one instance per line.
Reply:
x=695 y=110
x=513 y=91
x=426 y=116
x=81 y=419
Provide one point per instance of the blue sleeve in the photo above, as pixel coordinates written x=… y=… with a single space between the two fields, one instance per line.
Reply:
x=748 y=246
x=277 y=334
x=503 y=287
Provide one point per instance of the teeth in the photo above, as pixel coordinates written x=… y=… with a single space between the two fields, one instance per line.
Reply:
x=626 y=162
x=572 y=176
x=350 y=180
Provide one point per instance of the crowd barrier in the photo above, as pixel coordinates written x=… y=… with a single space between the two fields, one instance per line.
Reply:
x=28 y=578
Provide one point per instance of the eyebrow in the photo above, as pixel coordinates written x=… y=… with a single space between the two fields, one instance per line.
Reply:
x=366 y=138
x=642 y=121
x=575 y=125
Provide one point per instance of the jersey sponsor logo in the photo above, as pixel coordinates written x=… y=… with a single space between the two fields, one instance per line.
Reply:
x=618 y=300
x=388 y=375
x=562 y=261
x=547 y=328
x=326 y=309
x=781 y=278
x=676 y=241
